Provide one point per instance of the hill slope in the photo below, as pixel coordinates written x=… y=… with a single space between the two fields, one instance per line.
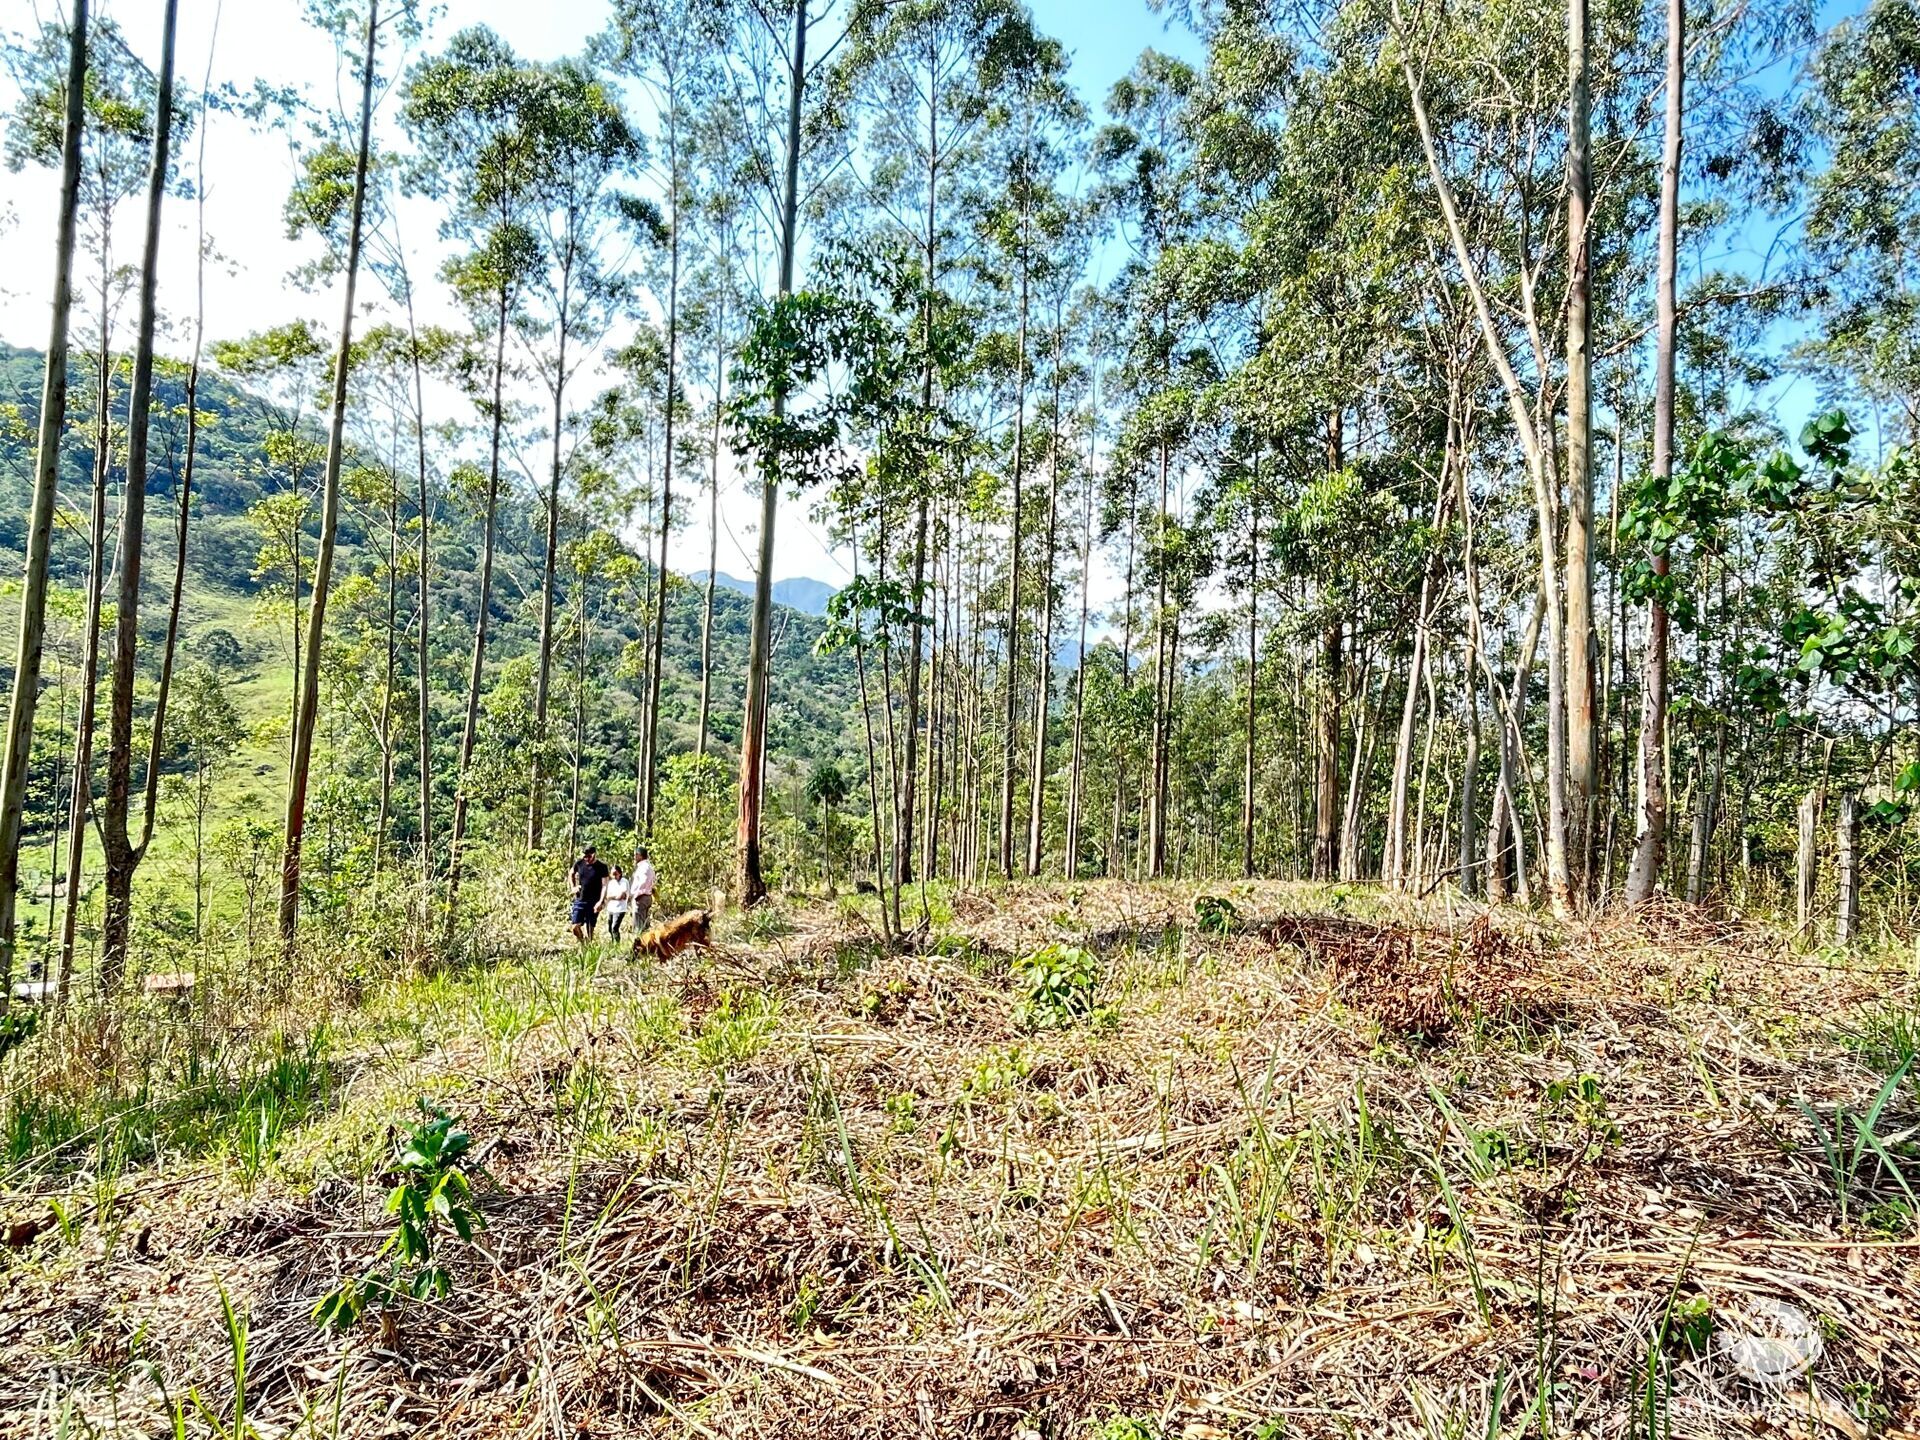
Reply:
x=236 y=610
x=1326 y=1174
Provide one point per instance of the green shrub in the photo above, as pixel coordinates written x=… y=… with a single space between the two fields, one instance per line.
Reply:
x=1056 y=985
x=692 y=840
x=1215 y=914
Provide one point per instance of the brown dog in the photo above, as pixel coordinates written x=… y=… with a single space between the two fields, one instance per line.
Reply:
x=665 y=941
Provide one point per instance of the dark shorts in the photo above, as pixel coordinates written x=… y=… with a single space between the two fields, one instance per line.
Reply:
x=582 y=913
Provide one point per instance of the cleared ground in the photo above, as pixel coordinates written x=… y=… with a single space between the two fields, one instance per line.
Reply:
x=1317 y=1165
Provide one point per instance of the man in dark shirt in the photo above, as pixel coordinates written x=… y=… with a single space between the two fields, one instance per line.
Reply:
x=589 y=877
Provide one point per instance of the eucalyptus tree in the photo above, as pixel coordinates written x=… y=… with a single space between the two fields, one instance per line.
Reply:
x=1649 y=847
x=1066 y=375
x=582 y=144
x=1146 y=155
x=122 y=854
x=323 y=202
x=767 y=106
x=1021 y=216
x=669 y=47
x=1099 y=348
x=717 y=309
x=307 y=717
x=478 y=154
x=115 y=145
x=18 y=752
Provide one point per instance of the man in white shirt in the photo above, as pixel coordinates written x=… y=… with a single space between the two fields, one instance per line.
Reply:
x=640 y=890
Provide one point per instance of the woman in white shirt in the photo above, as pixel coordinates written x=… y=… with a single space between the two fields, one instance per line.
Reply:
x=615 y=900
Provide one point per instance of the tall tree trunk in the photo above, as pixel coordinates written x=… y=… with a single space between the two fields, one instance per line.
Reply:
x=643 y=742
x=422 y=653
x=470 y=728
x=1163 y=776
x=1043 y=681
x=1156 y=858
x=651 y=756
x=1643 y=874
x=1326 y=790
x=1582 y=732
x=170 y=646
x=926 y=785
x=904 y=856
x=329 y=516
x=1469 y=861
x=713 y=530
x=1115 y=853
x=386 y=692
x=82 y=800
x=536 y=783
x=121 y=853
x=889 y=891
x=1365 y=738
x=1076 y=782
x=579 y=701
x=881 y=871
x=46 y=491
x=1247 y=787
x=1012 y=662
x=753 y=885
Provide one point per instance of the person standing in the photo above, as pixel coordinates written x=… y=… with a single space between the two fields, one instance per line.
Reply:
x=588 y=877
x=615 y=900
x=640 y=889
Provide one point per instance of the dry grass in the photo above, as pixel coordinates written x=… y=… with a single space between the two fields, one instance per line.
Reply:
x=1398 y=1170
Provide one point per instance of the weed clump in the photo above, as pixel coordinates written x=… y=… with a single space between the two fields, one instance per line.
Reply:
x=1056 y=986
x=1215 y=914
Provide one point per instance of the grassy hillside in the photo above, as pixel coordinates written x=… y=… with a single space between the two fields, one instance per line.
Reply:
x=1085 y=1168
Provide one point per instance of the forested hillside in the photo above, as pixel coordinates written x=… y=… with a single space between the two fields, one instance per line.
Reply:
x=238 y=641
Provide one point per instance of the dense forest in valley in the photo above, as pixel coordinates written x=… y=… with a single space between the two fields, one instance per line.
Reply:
x=1426 y=488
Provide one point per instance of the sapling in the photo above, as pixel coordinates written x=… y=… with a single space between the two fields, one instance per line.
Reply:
x=432 y=1196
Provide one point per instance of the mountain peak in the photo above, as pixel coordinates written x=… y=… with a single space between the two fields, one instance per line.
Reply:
x=797 y=592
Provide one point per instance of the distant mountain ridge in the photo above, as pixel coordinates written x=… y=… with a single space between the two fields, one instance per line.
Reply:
x=800 y=593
